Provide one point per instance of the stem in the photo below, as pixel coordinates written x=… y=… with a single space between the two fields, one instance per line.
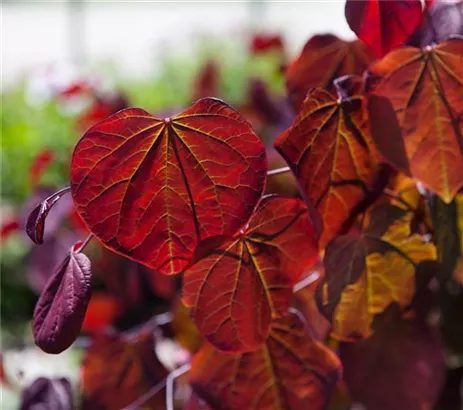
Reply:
x=84 y=244
x=278 y=171
x=144 y=397
x=170 y=384
x=57 y=195
x=306 y=281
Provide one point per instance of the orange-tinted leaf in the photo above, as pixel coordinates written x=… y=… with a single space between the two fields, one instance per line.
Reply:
x=185 y=331
x=364 y=275
x=103 y=310
x=331 y=153
x=400 y=367
x=152 y=188
x=289 y=372
x=383 y=25
x=323 y=59
x=116 y=372
x=61 y=308
x=239 y=286
x=415 y=110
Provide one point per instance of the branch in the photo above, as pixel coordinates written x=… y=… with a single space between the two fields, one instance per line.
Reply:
x=170 y=384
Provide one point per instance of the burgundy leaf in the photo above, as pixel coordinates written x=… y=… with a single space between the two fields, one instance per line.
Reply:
x=61 y=308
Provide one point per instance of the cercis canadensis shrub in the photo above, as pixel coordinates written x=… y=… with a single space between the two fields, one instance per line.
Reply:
x=376 y=148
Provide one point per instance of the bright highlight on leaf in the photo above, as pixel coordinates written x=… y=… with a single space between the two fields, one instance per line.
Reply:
x=382 y=24
x=331 y=153
x=152 y=188
x=239 y=286
x=289 y=372
x=366 y=274
x=323 y=59
x=61 y=308
x=415 y=108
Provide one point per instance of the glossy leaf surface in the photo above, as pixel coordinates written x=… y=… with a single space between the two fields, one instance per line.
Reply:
x=238 y=287
x=323 y=59
x=61 y=307
x=382 y=24
x=330 y=151
x=152 y=188
x=365 y=274
x=289 y=372
x=116 y=372
x=410 y=85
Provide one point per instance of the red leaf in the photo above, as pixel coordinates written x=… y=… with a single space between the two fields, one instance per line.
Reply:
x=179 y=180
x=61 y=307
x=117 y=372
x=239 y=286
x=103 y=310
x=382 y=24
x=8 y=228
x=208 y=82
x=290 y=372
x=323 y=59
x=264 y=43
x=39 y=164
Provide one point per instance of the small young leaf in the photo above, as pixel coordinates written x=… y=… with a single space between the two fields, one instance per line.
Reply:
x=415 y=109
x=383 y=25
x=323 y=59
x=365 y=274
x=61 y=307
x=331 y=152
x=239 y=286
x=289 y=372
x=151 y=189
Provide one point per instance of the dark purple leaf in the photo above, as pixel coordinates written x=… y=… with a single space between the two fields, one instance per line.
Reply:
x=443 y=21
x=48 y=394
x=61 y=307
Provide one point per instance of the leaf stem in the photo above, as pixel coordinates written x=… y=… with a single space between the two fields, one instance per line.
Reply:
x=58 y=194
x=84 y=244
x=137 y=404
x=278 y=171
x=170 y=384
x=306 y=281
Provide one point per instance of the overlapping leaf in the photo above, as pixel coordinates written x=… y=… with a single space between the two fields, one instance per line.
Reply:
x=383 y=25
x=366 y=274
x=117 y=372
x=331 y=153
x=239 y=286
x=61 y=307
x=415 y=110
x=323 y=59
x=152 y=188
x=289 y=372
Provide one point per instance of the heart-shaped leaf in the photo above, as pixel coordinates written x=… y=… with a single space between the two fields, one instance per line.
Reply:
x=61 y=307
x=323 y=59
x=330 y=150
x=289 y=372
x=240 y=285
x=383 y=25
x=152 y=188
x=415 y=108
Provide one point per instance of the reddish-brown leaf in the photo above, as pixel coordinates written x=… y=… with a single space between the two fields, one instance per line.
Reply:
x=152 y=188
x=61 y=307
x=415 y=111
x=39 y=165
x=116 y=372
x=383 y=25
x=240 y=285
x=289 y=372
x=331 y=153
x=323 y=59
x=207 y=84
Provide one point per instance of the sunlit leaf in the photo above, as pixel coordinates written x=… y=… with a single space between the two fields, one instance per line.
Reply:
x=323 y=59
x=116 y=372
x=383 y=25
x=152 y=188
x=240 y=285
x=366 y=274
x=331 y=153
x=289 y=372
x=415 y=110
x=61 y=308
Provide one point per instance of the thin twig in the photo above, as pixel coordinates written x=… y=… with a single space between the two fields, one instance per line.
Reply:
x=170 y=384
x=59 y=193
x=136 y=405
x=278 y=171
x=84 y=244
x=306 y=281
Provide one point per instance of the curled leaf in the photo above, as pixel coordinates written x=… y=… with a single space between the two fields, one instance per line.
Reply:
x=289 y=372
x=61 y=307
x=179 y=181
x=238 y=287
